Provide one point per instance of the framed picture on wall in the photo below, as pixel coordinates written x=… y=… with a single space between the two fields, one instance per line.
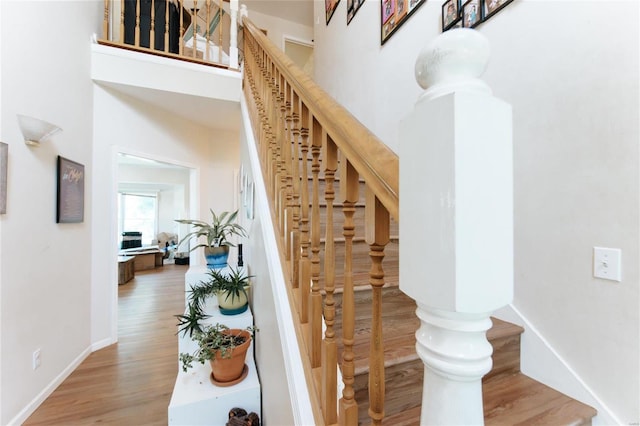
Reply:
x=394 y=13
x=352 y=8
x=491 y=7
x=70 y=182
x=450 y=14
x=330 y=7
x=471 y=13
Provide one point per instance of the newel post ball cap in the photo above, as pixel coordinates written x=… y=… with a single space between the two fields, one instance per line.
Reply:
x=456 y=57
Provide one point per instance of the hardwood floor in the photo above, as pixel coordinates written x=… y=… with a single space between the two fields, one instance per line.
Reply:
x=129 y=383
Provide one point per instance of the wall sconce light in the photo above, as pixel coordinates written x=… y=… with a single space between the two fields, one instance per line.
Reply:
x=35 y=130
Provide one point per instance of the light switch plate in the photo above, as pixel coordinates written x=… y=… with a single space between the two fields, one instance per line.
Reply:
x=607 y=263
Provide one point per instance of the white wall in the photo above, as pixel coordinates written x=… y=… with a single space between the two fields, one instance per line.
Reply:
x=154 y=133
x=570 y=70
x=45 y=268
x=278 y=28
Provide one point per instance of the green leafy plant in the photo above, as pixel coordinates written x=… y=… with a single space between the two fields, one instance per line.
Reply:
x=212 y=339
x=235 y=283
x=217 y=232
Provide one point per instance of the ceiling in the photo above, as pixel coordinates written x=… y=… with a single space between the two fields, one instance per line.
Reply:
x=207 y=112
x=299 y=11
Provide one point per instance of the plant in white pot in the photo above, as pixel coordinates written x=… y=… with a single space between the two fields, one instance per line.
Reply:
x=231 y=289
x=216 y=234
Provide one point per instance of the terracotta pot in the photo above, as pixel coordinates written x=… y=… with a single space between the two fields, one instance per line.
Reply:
x=216 y=256
x=230 y=369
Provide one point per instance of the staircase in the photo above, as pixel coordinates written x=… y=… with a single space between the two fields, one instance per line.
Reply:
x=510 y=397
x=323 y=168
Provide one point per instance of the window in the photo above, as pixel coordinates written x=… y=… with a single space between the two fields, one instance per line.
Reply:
x=138 y=212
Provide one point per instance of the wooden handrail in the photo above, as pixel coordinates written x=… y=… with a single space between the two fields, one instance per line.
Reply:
x=293 y=117
x=371 y=158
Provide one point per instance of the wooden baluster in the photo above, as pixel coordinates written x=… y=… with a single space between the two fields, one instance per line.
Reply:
x=207 y=31
x=315 y=298
x=152 y=31
x=166 y=26
x=283 y=163
x=274 y=131
x=122 y=21
x=329 y=347
x=287 y=142
x=349 y=196
x=377 y=236
x=220 y=32
x=295 y=191
x=305 y=261
x=271 y=95
x=233 y=35
x=275 y=123
x=105 y=21
x=136 y=40
x=181 y=41
x=194 y=26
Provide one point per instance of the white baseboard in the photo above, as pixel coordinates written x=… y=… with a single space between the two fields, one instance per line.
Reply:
x=103 y=344
x=541 y=362
x=48 y=390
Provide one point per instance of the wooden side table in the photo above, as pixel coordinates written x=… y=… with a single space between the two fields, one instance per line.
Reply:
x=126 y=269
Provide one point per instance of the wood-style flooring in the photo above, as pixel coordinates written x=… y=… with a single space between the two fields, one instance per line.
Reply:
x=130 y=382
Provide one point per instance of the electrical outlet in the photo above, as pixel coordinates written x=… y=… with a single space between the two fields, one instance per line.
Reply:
x=607 y=263
x=36 y=359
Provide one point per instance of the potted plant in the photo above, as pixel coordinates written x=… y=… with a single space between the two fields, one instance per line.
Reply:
x=216 y=233
x=231 y=290
x=225 y=349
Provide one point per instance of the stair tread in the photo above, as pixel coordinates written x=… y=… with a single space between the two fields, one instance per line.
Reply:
x=517 y=399
x=502 y=328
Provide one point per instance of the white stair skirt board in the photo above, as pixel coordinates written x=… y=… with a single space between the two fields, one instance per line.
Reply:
x=295 y=373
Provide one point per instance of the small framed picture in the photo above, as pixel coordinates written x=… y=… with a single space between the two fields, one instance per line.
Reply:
x=471 y=13
x=388 y=10
x=491 y=7
x=450 y=14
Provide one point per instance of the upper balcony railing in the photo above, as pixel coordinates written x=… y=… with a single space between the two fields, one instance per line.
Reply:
x=201 y=31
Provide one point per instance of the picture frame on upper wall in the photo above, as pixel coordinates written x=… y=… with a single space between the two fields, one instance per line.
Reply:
x=352 y=8
x=4 y=165
x=330 y=7
x=491 y=7
x=393 y=14
x=471 y=13
x=450 y=14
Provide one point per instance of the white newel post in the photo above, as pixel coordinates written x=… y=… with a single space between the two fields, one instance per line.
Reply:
x=456 y=211
x=233 y=38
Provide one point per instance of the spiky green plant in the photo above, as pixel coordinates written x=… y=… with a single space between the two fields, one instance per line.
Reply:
x=217 y=232
x=234 y=283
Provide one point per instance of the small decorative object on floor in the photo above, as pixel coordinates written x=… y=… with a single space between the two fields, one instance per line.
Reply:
x=239 y=417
